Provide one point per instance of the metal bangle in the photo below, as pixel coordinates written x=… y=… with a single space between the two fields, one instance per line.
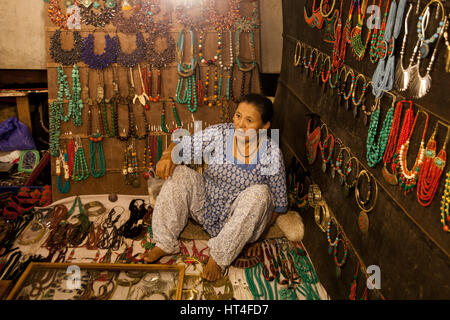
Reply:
x=94 y=204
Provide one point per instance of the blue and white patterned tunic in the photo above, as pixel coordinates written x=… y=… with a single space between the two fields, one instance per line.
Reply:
x=226 y=177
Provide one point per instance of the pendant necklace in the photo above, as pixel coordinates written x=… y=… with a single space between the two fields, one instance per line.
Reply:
x=363 y=218
x=316 y=19
x=408 y=178
x=62 y=162
x=358 y=48
x=312 y=142
x=66 y=57
x=431 y=170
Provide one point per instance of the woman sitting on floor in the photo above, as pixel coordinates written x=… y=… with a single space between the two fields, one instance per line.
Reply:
x=236 y=199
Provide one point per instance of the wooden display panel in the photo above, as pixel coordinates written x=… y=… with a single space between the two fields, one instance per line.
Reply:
x=113 y=181
x=404 y=239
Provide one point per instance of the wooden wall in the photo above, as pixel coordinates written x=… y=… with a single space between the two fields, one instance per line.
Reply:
x=405 y=239
x=113 y=181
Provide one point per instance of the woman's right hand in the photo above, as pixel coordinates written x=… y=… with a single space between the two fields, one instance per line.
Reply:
x=165 y=167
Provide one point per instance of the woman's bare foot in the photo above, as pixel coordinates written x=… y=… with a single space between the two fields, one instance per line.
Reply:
x=212 y=271
x=153 y=255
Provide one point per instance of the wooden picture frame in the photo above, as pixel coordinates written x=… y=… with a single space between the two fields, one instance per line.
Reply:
x=102 y=269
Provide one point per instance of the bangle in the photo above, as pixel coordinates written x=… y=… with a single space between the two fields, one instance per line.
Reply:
x=322 y=220
x=32 y=225
x=314 y=195
x=94 y=204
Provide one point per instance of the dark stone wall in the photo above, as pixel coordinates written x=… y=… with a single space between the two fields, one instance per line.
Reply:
x=405 y=239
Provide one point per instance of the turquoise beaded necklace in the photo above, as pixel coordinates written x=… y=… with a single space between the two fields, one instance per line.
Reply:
x=375 y=150
x=80 y=167
x=163 y=117
x=96 y=146
x=75 y=105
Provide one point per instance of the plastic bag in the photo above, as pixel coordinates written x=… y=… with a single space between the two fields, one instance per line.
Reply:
x=154 y=185
x=15 y=135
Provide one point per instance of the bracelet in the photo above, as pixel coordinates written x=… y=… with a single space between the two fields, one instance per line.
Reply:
x=314 y=195
x=94 y=204
x=32 y=225
x=322 y=220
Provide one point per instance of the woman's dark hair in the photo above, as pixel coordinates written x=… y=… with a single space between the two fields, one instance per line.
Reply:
x=263 y=104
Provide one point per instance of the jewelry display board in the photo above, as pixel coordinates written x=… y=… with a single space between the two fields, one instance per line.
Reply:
x=165 y=31
x=398 y=227
x=70 y=281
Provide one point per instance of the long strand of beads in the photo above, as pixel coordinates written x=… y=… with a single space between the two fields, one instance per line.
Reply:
x=408 y=178
x=80 y=169
x=96 y=146
x=76 y=96
x=445 y=205
x=54 y=127
x=63 y=90
x=375 y=150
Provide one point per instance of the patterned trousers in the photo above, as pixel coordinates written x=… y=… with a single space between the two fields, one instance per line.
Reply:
x=182 y=196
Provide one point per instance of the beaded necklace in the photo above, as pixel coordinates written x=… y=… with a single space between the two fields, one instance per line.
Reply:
x=375 y=150
x=361 y=100
x=358 y=48
x=218 y=52
x=96 y=146
x=340 y=42
x=98 y=20
x=240 y=60
x=408 y=178
x=331 y=244
x=328 y=143
x=135 y=57
x=55 y=14
x=108 y=128
x=167 y=56
x=349 y=185
x=377 y=37
x=135 y=22
x=163 y=117
x=316 y=18
x=447 y=44
x=339 y=264
x=225 y=21
x=392 y=143
x=431 y=170
x=66 y=57
x=80 y=167
x=445 y=205
x=104 y=60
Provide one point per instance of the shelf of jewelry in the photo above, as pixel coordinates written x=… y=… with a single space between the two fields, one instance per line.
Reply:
x=85 y=281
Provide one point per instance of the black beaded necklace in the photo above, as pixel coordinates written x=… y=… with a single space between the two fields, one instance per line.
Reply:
x=137 y=56
x=66 y=57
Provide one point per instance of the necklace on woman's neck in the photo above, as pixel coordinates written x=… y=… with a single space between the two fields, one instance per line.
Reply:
x=243 y=154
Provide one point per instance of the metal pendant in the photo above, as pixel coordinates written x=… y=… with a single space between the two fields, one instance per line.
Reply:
x=86 y=3
x=333 y=172
x=338 y=272
x=347 y=105
x=389 y=177
x=324 y=167
x=363 y=222
x=355 y=111
x=330 y=250
x=323 y=86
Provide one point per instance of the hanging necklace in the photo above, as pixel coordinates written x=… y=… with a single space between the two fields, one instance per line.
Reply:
x=223 y=21
x=361 y=100
x=96 y=146
x=66 y=57
x=431 y=170
x=218 y=53
x=167 y=56
x=375 y=150
x=98 y=20
x=402 y=74
x=132 y=24
x=358 y=48
x=392 y=143
x=421 y=84
x=447 y=44
x=377 y=37
x=135 y=57
x=339 y=264
x=348 y=168
x=340 y=45
x=328 y=143
x=408 y=178
x=55 y=14
x=445 y=205
x=363 y=218
x=316 y=18
x=104 y=60
x=108 y=128
x=383 y=77
x=80 y=167
x=163 y=117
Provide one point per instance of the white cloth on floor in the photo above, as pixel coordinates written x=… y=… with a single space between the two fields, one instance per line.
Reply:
x=183 y=196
